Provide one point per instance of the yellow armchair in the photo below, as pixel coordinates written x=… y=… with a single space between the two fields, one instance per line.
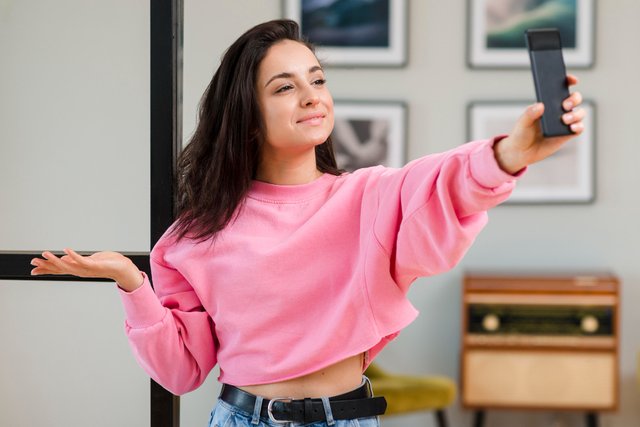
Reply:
x=406 y=393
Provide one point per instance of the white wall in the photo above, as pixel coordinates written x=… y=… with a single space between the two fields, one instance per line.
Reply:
x=74 y=171
x=437 y=86
x=74 y=125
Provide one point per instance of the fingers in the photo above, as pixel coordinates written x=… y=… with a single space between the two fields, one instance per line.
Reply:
x=574 y=116
x=52 y=264
x=532 y=114
x=52 y=258
x=572 y=101
x=572 y=80
x=574 y=120
x=577 y=128
x=42 y=266
x=38 y=269
x=49 y=265
x=74 y=255
x=575 y=98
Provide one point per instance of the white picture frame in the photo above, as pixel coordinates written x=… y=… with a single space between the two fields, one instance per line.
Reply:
x=342 y=42
x=566 y=177
x=496 y=31
x=369 y=133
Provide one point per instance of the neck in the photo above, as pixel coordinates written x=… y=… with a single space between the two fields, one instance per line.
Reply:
x=288 y=170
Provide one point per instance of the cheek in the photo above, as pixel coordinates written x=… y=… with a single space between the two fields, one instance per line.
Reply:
x=329 y=104
x=330 y=116
x=330 y=121
x=272 y=119
x=328 y=101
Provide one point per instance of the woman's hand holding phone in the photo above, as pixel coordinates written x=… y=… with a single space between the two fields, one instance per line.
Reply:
x=526 y=144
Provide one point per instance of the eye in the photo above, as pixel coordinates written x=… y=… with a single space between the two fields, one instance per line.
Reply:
x=284 y=88
x=319 y=82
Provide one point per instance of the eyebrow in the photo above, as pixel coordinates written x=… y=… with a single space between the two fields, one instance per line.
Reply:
x=286 y=75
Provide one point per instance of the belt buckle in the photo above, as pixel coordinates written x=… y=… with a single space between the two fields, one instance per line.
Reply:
x=270 y=409
x=369 y=386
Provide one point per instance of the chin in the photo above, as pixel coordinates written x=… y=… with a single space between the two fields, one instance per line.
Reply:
x=319 y=142
x=309 y=141
x=320 y=138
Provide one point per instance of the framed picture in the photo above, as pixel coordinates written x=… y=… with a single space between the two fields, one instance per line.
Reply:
x=496 y=30
x=353 y=32
x=369 y=133
x=568 y=176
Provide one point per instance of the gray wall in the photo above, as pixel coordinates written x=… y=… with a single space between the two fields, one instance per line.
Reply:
x=64 y=359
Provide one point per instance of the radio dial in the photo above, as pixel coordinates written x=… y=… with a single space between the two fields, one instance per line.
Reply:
x=491 y=322
x=589 y=324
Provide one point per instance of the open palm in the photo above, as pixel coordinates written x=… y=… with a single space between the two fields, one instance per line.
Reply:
x=108 y=265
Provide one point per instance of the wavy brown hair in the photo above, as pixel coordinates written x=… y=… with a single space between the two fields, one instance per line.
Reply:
x=216 y=168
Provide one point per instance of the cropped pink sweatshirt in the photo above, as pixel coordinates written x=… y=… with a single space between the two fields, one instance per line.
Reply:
x=308 y=275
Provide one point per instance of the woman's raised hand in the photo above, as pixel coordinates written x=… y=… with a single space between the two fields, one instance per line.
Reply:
x=108 y=265
x=526 y=144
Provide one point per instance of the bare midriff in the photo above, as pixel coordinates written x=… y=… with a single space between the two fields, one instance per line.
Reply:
x=333 y=380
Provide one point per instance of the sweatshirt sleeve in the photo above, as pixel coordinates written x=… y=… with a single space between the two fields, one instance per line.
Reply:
x=171 y=334
x=431 y=210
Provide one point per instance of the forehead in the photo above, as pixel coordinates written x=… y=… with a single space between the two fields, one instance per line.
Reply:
x=286 y=56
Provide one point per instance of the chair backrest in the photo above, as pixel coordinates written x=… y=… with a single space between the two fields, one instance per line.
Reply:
x=374 y=371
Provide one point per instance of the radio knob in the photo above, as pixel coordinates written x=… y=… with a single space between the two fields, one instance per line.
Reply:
x=491 y=322
x=589 y=324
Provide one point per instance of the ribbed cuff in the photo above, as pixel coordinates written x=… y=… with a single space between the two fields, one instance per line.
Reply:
x=141 y=306
x=485 y=169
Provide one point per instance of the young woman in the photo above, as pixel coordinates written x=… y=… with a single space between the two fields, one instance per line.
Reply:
x=287 y=273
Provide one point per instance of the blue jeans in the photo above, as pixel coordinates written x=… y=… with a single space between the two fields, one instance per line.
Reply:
x=225 y=415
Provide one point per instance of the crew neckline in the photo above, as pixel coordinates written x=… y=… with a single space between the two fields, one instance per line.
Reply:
x=265 y=191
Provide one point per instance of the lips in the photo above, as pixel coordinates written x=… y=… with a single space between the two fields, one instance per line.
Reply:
x=314 y=118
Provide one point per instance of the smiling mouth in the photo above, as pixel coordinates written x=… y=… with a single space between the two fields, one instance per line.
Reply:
x=312 y=119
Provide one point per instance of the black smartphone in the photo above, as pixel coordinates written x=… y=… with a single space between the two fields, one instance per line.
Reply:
x=549 y=77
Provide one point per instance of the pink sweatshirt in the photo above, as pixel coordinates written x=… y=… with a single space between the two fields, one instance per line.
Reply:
x=309 y=274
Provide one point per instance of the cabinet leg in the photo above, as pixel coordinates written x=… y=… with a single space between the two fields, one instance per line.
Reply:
x=478 y=419
x=592 y=419
x=441 y=418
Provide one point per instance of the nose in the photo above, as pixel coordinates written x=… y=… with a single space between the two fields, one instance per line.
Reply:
x=310 y=98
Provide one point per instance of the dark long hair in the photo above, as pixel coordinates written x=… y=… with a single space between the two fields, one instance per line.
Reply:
x=216 y=168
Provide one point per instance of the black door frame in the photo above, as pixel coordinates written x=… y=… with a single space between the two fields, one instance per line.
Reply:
x=166 y=142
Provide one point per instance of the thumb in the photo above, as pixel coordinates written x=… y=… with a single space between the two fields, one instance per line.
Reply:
x=532 y=114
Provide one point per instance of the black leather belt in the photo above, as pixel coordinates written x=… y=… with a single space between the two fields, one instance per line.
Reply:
x=358 y=403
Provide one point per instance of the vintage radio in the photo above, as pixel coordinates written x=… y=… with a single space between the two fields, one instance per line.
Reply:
x=544 y=342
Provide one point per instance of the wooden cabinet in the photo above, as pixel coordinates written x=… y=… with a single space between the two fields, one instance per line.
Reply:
x=540 y=342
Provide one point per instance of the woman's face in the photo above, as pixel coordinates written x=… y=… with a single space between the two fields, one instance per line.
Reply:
x=296 y=106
